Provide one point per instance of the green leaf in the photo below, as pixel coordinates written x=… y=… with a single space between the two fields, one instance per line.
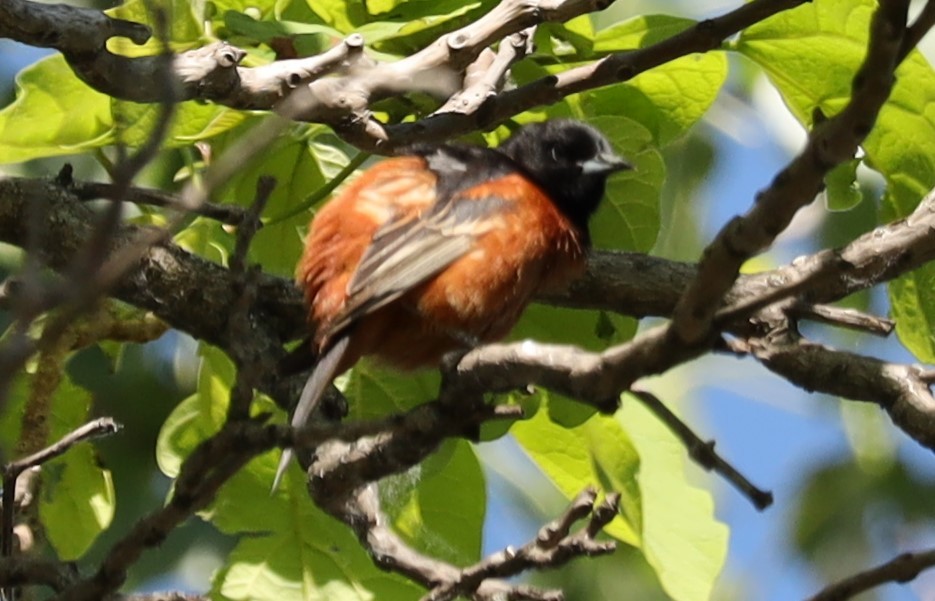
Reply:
x=80 y=506
x=842 y=192
x=198 y=416
x=629 y=216
x=185 y=27
x=191 y=121
x=428 y=516
x=681 y=537
x=639 y=32
x=376 y=391
x=343 y=15
x=298 y=173
x=78 y=500
x=596 y=453
x=667 y=100
x=265 y=31
x=11 y=418
x=811 y=54
x=54 y=113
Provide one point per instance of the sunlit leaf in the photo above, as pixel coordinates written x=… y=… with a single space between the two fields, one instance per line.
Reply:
x=681 y=538
x=54 y=113
x=597 y=453
x=78 y=501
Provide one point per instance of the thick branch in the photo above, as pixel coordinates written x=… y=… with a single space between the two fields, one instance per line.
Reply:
x=195 y=295
x=901 y=390
x=23 y=571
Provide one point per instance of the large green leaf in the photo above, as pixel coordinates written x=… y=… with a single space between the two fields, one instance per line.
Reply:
x=629 y=216
x=595 y=453
x=198 y=416
x=420 y=501
x=191 y=121
x=428 y=516
x=343 y=15
x=668 y=99
x=811 y=54
x=681 y=538
x=78 y=500
x=54 y=113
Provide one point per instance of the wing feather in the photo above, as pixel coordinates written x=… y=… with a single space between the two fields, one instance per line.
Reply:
x=409 y=251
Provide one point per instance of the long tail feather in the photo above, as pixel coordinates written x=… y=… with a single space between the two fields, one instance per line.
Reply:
x=322 y=375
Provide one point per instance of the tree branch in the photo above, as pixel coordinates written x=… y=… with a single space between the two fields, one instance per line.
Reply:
x=213 y=72
x=829 y=144
x=901 y=390
x=903 y=568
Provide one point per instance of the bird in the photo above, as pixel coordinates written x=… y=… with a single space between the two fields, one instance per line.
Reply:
x=441 y=247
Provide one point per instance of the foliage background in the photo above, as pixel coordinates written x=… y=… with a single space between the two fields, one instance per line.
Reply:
x=847 y=485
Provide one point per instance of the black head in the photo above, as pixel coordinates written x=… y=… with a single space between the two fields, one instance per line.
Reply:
x=570 y=160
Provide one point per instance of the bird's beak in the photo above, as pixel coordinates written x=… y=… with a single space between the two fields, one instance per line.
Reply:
x=605 y=163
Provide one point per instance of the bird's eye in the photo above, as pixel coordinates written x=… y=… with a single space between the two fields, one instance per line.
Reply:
x=553 y=151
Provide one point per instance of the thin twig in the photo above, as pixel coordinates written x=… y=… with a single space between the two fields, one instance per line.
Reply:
x=104 y=426
x=702 y=452
x=555 y=545
x=250 y=363
x=251 y=223
x=224 y=213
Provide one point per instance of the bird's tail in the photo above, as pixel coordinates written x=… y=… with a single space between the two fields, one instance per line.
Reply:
x=323 y=374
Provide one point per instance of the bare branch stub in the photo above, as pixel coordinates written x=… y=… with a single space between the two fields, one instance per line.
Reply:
x=104 y=426
x=703 y=452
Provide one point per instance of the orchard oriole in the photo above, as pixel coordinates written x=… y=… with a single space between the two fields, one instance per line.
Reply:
x=443 y=247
